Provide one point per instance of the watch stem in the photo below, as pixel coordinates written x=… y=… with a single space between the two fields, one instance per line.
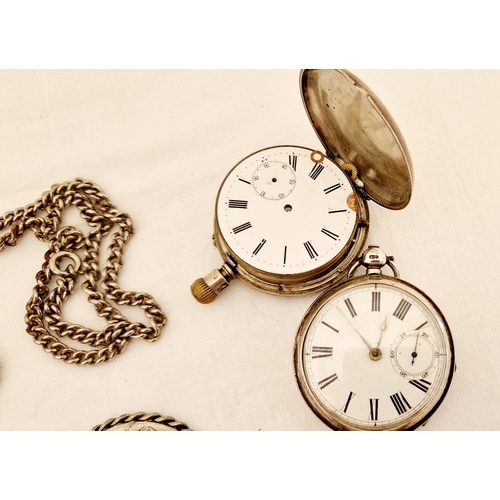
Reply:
x=206 y=289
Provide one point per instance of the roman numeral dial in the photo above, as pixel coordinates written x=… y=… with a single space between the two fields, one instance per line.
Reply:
x=284 y=212
x=375 y=357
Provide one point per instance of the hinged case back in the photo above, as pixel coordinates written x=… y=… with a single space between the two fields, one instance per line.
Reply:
x=355 y=127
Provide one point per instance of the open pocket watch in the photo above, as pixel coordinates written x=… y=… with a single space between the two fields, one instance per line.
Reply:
x=374 y=353
x=290 y=219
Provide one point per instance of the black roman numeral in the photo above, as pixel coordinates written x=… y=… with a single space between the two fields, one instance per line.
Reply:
x=321 y=352
x=292 y=161
x=238 y=204
x=242 y=227
x=310 y=250
x=259 y=247
x=351 y=394
x=422 y=326
x=316 y=170
x=327 y=381
x=421 y=384
x=329 y=326
x=402 y=309
x=333 y=236
x=330 y=189
x=375 y=301
x=350 y=307
x=400 y=403
x=373 y=409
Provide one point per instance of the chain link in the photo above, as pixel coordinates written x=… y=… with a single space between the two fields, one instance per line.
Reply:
x=43 y=311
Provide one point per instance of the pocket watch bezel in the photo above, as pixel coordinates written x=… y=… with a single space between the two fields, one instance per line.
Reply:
x=317 y=279
x=416 y=419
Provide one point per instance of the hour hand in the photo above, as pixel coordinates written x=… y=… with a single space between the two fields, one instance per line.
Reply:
x=383 y=328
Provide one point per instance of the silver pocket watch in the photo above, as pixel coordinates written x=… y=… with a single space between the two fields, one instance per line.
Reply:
x=375 y=352
x=291 y=219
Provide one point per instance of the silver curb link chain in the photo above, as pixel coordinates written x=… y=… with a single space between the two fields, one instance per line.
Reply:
x=55 y=283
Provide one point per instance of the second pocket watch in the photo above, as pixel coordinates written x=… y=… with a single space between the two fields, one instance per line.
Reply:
x=375 y=352
x=291 y=219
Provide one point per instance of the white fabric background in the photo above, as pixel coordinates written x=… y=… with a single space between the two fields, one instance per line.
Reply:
x=159 y=144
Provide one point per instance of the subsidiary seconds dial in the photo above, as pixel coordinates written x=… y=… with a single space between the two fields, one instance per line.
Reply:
x=274 y=180
x=414 y=354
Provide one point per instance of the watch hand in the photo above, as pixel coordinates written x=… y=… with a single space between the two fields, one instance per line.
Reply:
x=383 y=327
x=414 y=353
x=352 y=326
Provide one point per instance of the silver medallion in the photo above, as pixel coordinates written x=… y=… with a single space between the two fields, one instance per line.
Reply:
x=142 y=422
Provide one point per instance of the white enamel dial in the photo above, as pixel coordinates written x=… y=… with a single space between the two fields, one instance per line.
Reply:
x=286 y=210
x=375 y=354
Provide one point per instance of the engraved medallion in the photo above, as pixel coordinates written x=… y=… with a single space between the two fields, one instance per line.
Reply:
x=142 y=422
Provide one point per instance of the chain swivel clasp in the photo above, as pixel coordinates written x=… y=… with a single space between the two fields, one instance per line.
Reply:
x=56 y=259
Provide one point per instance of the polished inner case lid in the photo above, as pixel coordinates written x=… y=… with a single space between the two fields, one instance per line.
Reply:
x=354 y=125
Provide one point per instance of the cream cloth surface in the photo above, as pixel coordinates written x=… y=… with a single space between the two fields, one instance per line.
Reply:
x=159 y=144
